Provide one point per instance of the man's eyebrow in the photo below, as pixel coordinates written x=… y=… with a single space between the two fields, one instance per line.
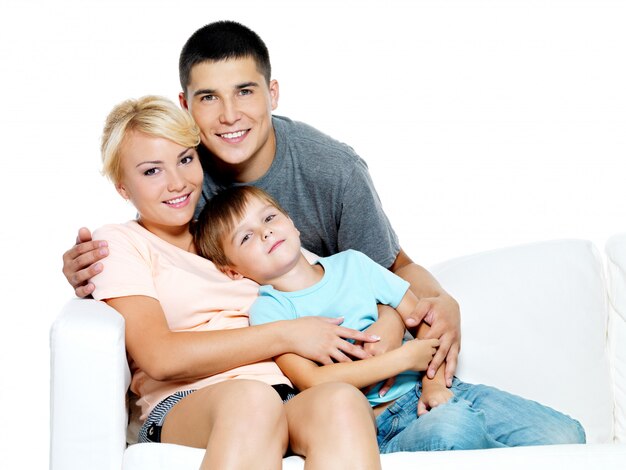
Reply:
x=211 y=91
x=246 y=85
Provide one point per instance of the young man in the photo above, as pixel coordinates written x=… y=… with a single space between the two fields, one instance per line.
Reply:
x=225 y=75
x=248 y=235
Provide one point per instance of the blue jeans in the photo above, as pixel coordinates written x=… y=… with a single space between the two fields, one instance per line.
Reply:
x=477 y=417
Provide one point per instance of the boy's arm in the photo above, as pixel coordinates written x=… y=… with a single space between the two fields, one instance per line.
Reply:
x=412 y=355
x=390 y=329
x=437 y=308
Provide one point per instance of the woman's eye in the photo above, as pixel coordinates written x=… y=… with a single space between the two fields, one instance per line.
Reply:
x=151 y=171
x=186 y=159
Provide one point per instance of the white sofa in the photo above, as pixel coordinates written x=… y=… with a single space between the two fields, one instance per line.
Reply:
x=546 y=321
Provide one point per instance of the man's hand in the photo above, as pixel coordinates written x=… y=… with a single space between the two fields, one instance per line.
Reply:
x=443 y=315
x=80 y=263
x=437 y=308
x=432 y=396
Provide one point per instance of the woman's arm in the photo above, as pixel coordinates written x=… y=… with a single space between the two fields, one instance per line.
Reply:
x=168 y=355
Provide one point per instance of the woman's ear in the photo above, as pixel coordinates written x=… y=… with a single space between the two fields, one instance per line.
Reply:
x=122 y=191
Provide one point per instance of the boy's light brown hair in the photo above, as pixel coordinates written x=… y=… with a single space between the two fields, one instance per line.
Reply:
x=219 y=217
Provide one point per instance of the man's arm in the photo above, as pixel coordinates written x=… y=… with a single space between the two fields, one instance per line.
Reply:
x=437 y=308
x=81 y=262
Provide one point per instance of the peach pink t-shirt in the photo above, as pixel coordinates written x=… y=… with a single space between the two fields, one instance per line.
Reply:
x=194 y=294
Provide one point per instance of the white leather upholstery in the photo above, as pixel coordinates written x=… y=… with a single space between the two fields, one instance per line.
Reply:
x=535 y=320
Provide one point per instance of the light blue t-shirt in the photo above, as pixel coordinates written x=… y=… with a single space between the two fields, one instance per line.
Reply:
x=352 y=287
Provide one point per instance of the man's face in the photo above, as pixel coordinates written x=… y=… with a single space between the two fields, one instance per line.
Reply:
x=232 y=104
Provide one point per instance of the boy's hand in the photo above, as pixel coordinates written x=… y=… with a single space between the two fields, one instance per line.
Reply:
x=420 y=352
x=80 y=263
x=432 y=396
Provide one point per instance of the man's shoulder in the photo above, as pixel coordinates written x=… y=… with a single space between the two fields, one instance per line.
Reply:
x=299 y=135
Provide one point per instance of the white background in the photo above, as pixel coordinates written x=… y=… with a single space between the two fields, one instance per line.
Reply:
x=484 y=123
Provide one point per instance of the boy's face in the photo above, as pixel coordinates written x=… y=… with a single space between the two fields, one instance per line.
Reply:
x=263 y=245
x=232 y=104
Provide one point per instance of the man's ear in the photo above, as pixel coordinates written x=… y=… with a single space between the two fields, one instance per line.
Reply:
x=274 y=94
x=183 y=101
x=231 y=273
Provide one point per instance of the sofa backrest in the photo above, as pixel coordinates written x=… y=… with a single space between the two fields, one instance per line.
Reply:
x=534 y=323
x=616 y=267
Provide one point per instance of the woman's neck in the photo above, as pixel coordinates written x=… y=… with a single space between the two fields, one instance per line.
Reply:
x=179 y=236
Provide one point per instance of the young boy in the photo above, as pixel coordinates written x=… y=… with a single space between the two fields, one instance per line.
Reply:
x=247 y=234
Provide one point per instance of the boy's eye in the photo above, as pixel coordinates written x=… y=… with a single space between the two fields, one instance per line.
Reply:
x=245 y=238
x=270 y=217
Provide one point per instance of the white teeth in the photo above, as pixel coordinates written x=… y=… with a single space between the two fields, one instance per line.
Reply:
x=177 y=200
x=233 y=135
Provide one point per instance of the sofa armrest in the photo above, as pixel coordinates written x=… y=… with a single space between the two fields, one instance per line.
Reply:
x=89 y=377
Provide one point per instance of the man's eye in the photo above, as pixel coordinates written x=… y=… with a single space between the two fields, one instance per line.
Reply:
x=207 y=98
x=245 y=92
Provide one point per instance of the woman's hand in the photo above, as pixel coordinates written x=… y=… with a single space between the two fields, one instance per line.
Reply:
x=322 y=340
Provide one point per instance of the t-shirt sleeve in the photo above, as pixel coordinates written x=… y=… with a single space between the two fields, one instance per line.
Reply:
x=363 y=225
x=267 y=308
x=127 y=269
x=387 y=287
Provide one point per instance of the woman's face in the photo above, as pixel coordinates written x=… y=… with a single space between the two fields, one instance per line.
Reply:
x=162 y=179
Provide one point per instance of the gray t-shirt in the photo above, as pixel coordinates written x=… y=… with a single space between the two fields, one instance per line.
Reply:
x=327 y=191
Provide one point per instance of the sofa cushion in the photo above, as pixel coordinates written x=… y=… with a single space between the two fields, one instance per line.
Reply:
x=534 y=323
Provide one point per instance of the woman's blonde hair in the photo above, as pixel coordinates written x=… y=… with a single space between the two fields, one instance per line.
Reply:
x=152 y=115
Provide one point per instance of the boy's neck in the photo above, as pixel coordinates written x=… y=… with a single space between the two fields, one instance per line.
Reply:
x=302 y=276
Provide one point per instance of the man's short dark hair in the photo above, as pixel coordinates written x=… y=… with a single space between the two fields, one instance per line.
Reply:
x=223 y=40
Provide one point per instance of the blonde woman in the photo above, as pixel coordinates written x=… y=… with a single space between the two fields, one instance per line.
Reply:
x=203 y=376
